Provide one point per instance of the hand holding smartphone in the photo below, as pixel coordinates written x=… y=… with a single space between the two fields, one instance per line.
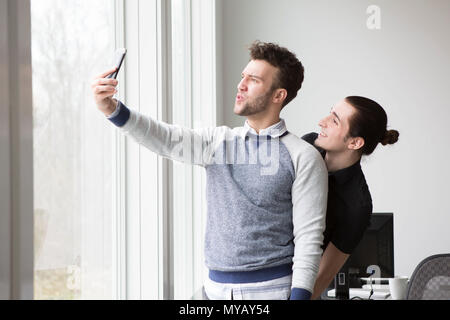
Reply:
x=104 y=85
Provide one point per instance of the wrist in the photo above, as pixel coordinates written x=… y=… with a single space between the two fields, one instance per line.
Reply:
x=120 y=116
x=111 y=107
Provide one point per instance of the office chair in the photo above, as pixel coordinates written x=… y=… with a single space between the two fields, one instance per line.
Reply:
x=431 y=279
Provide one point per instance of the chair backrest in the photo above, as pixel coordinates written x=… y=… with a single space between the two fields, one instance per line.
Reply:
x=431 y=279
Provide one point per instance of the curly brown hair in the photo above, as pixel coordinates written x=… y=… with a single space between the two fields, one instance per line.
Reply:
x=290 y=70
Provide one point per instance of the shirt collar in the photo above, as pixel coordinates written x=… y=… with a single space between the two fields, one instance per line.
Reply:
x=274 y=131
x=343 y=175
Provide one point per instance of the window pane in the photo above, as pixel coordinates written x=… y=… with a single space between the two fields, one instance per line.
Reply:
x=190 y=108
x=72 y=41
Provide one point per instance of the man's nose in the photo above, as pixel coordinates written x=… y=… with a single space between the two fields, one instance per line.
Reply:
x=242 y=85
x=323 y=123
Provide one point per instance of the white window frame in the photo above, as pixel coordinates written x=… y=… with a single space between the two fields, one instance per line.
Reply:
x=198 y=90
x=142 y=206
x=148 y=257
x=119 y=179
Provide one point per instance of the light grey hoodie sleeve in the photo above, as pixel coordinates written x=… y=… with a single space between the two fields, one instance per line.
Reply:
x=309 y=199
x=191 y=146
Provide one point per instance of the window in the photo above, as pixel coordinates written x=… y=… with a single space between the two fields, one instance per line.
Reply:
x=72 y=41
x=112 y=219
x=194 y=105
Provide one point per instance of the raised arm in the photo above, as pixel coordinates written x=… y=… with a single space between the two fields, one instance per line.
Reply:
x=170 y=141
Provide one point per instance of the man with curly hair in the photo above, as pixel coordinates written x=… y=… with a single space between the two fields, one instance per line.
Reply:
x=266 y=214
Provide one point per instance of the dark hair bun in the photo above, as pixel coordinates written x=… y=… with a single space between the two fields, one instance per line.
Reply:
x=390 y=137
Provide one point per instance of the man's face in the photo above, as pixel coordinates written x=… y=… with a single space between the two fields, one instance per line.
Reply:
x=255 y=89
x=335 y=128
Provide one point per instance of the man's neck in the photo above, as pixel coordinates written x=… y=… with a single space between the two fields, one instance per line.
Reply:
x=261 y=123
x=340 y=160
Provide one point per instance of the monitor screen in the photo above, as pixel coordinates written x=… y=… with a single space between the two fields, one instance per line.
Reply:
x=375 y=251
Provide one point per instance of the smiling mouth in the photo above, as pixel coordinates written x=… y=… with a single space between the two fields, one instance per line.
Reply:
x=322 y=135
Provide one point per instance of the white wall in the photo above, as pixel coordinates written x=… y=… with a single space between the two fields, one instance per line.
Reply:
x=404 y=66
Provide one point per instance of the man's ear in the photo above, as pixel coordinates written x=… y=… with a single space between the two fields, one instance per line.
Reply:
x=356 y=143
x=279 y=96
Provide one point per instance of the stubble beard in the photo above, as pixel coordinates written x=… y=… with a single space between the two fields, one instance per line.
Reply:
x=258 y=105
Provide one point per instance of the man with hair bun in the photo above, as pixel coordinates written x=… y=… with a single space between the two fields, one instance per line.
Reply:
x=354 y=127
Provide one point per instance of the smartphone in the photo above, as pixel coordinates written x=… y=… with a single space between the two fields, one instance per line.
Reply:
x=119 y=57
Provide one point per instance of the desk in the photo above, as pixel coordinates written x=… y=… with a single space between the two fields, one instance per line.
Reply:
x=378 y=294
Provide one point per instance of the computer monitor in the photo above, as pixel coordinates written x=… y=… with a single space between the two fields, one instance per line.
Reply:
x=376 y=250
